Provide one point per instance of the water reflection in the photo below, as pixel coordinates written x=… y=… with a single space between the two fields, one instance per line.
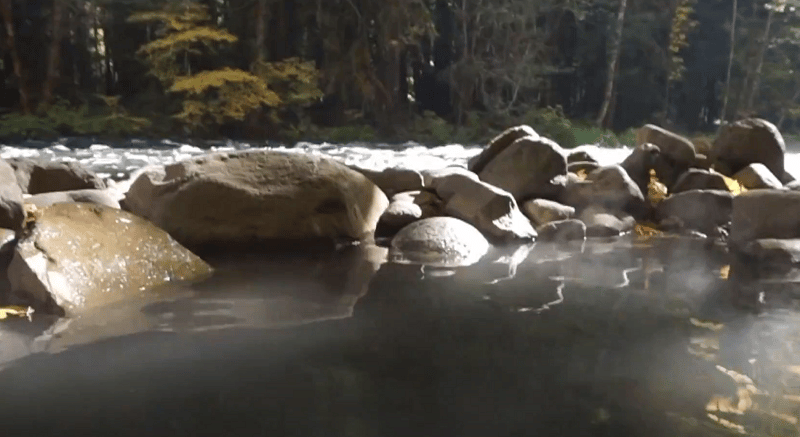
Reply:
x=595 y=339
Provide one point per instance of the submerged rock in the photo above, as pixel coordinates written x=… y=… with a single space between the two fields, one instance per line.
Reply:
x=239 y=198
x=78 y=256
x=439 y=241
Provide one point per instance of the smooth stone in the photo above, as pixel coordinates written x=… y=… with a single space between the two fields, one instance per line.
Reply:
x=697 y=179
x=640 y=162
x=774 y=251
x=408 y=207
x=439 y=241
x=12 y=212
x=756 y=176
x=580 y=156
x=498 y=144
x=393 y=180
x=433 y=178
x=36 y=177
x=702 y=210
x=746 y=142
x=543 y=211
x=765 y=213
x=562 y=230
x=78 y=256
x=94 y=196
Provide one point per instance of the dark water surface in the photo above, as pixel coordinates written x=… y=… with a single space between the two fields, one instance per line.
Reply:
x=597 y=339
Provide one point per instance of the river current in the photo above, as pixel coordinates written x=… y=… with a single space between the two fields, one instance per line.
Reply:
x=624 y=337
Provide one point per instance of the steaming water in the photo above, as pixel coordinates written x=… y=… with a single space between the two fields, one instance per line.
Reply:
x=641 y=338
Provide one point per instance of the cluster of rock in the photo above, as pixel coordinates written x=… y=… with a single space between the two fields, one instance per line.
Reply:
x=73 y=241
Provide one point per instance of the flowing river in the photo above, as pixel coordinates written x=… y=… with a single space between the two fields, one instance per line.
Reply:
x=623 y=337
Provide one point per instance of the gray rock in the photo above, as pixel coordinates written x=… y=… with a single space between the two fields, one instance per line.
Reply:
x=765 y=213
x=492 y=210
x=794 y=186
x=746 y=142
x=542 y=211
x=608 y=187
x=600 y=223
x=774 y=251
x=697 y=179
x=393 y=180
x=756 y=176
x=580 y=156
x=408 y=207
x=701 y=210
x=562 y=230
x=639 y=163
x=677 y=153
x=500 y=143
x=97 y=197
x=530 y=167
x=431 y=179
x=12 y=213
x=35 y=177
x=439 y=241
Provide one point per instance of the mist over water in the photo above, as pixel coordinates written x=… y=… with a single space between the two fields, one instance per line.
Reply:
x=624 y=337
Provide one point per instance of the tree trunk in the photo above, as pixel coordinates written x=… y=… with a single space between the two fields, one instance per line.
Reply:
x=723 y=114
x=613 y=66
x=53 y=58
x=760 y=63
x=261 y=13
x=6 y=8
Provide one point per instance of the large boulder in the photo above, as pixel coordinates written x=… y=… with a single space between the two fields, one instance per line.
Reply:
x=78 y=256
x=701 y=210
x=432 y=178
x=490 y=209
x=746 y=142
x=439 y=241
x=498 y=144
x=393 y=180
x=12 y=213
x=677 y=153
x=254 y=196
x=97 y=197
x=640 y=162
x=608 y=187
x=765 y=214
x=35 y=177
x=530 y=167
x=697 y=179
x=756 y=176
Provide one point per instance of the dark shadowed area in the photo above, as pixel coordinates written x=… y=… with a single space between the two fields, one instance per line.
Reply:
x=630 y=338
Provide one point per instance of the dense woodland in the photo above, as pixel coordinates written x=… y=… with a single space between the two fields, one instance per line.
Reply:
x=434 y=70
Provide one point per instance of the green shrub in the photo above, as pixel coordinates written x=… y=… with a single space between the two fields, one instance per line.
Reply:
x=551 y=123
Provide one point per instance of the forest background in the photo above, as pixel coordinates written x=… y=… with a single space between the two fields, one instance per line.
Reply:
x=434 y=71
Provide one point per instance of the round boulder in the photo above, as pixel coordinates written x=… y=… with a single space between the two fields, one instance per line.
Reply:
x=255 y=196
x=697 y=179
x=748 y=141
x=440 y=242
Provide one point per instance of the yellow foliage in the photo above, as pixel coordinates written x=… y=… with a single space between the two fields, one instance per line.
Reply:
x=177 y=16
x=295 y=79
x=15 y=311
x=582 y=175
x=181 y=40
x=646 y=230
x=734 y=186
x=656 y=191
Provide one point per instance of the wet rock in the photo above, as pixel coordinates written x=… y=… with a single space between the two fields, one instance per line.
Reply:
x=393 y=180
x=35 y=177
x=756 y=176
x=580 y=156
x=439 y=241
x=542 y=211
x=586 y=167
x=746 y=142
x=562 y=230
x=408 y=207
x=94 y=196
x=638 y=164
x=794 y=186
x=609 y=187
x=601 y=223
x=765 y=214
x=697 y=179
x=677 y=153
x=703 y=162
x=12 y=213
x=241 y=198
x=774 y=251
x=435 y=177
x=79 y=256
x=786 y=178
x=701 y=210
x=492 y=210
x=530 y=167
x=498 y=144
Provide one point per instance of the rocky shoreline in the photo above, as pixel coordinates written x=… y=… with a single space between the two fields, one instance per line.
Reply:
x=74 y=241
